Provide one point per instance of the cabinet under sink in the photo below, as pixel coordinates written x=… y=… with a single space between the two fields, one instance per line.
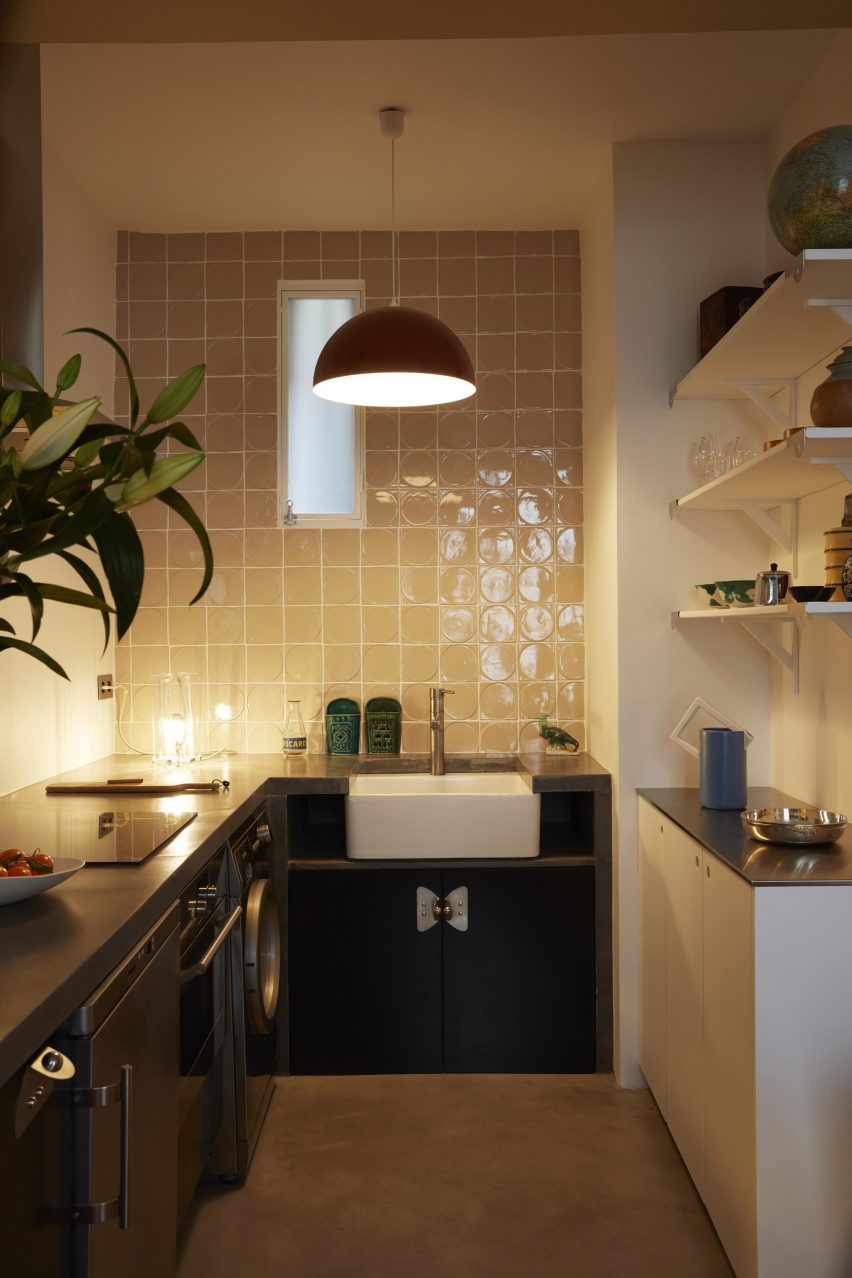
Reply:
x=374 y=991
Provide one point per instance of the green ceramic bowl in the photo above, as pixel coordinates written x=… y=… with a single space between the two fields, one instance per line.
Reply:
x=727 y=594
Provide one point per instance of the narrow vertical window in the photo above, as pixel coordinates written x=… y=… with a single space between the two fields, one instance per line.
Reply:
x=320 y=444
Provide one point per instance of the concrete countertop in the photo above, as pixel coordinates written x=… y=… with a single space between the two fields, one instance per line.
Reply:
x=761 y=864
x=57 y=947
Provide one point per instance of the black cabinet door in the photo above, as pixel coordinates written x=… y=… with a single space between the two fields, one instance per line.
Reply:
x=365 y=985
x=519 y=984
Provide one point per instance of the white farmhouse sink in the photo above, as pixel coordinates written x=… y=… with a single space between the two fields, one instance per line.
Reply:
x=418 y=817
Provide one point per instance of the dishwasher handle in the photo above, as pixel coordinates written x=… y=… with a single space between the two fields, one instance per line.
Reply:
x=203 y=964
x=124 y=1170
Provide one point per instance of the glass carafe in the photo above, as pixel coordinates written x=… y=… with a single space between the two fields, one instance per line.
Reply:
x=295 y=739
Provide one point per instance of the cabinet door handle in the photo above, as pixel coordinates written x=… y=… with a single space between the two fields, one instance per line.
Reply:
x=456 y=910
x=429 y=909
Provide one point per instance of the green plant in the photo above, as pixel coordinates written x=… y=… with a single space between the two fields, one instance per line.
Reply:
x=68 y=483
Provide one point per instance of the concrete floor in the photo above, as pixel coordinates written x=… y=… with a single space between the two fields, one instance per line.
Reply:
x=469 y=1176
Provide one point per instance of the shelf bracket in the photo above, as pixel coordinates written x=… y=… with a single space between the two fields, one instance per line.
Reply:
x=789 y=658
x=788 y=541
x=841 y=619
x=755 y=389
x=844 y=621
x=842 y=306
x=843 y=464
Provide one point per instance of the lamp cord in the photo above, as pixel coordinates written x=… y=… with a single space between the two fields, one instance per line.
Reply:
x=394 y=249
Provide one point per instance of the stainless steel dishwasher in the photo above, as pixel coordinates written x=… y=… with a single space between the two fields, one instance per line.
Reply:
x=89 y=1130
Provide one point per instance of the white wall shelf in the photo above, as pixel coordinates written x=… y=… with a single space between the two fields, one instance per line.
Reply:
x=758 y=623
x=799 y=320
x=757 y=620
x=812 y=459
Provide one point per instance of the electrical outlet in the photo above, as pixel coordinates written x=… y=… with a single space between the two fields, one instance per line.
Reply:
x=105 y=689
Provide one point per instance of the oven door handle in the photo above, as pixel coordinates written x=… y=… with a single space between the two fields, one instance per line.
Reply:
x=199 y=968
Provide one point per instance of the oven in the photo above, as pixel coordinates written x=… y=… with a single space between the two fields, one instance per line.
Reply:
x=208 y=916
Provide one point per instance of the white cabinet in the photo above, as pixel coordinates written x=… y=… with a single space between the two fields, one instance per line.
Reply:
x=696 y=1021
x=684 y=1001
x=728 y=1054
x=746 y=1042
x=652 y=950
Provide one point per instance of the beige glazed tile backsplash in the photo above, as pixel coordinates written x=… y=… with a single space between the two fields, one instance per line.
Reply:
x=469 y=570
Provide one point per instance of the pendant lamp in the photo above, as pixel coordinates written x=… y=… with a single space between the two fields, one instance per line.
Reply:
x=393 y=356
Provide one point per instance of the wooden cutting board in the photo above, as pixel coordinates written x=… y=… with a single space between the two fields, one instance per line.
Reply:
x=136 y=785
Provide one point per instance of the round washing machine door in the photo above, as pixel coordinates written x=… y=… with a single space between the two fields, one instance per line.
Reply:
x=262 y=956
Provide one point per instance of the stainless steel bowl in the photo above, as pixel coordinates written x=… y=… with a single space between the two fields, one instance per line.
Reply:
x=793 y=825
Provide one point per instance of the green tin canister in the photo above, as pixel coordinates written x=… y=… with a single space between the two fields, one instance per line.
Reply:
x=342 y=726
x=383 y=717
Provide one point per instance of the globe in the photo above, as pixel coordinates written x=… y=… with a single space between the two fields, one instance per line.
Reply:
x=810 y=195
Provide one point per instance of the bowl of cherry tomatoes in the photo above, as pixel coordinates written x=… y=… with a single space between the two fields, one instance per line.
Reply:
x=25 y=874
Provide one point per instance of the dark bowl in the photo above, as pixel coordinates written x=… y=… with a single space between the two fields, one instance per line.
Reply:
x=811 y=594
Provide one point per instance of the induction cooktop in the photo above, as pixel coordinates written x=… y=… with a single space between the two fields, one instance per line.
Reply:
x=111 y=837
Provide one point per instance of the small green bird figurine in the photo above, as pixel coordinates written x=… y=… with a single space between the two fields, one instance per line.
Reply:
x=558 y=739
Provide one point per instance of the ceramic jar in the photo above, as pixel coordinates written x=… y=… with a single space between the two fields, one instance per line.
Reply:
x=831 y=404
x=838 y=563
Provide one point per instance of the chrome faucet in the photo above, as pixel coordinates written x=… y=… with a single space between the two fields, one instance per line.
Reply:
x=436 y=724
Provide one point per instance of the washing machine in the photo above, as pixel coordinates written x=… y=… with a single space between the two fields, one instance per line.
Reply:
x=256 y=984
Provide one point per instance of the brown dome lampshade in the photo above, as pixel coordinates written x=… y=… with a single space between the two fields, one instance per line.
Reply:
x=393 y=356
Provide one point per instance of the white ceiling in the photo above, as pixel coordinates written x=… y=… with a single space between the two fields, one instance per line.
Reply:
x=104 y=21
x=499 y=132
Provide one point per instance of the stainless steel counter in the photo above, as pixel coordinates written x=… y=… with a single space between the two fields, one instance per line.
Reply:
x=761 y=864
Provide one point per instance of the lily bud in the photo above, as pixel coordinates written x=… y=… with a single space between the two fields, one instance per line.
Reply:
x=165 y=472
x=54 y=438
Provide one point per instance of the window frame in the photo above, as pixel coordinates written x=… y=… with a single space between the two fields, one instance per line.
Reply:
x=355 y=289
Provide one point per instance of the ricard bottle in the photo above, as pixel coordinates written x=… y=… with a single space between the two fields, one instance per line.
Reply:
x=295 y=740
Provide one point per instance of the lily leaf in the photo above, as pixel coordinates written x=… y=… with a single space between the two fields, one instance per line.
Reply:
x=92 y=580
x=178 y=503
x=32 y=651
x=174 y=398
x=122 y=355
x=95 y=511
x=20 y=374
x=28 y=588
x=176 y=430
x=123 y=560
x=6 y=625
x=64 y=594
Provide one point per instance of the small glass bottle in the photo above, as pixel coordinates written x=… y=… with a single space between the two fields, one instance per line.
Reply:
x=295 y=741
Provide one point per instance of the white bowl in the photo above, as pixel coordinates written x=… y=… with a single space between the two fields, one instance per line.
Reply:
x=19 y=887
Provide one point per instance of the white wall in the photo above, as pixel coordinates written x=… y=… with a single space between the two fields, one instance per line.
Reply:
x=812 y=732
x=824 y=99
x=48 y=724
x=678 y=235
x=79 y=277
x=601 y=505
